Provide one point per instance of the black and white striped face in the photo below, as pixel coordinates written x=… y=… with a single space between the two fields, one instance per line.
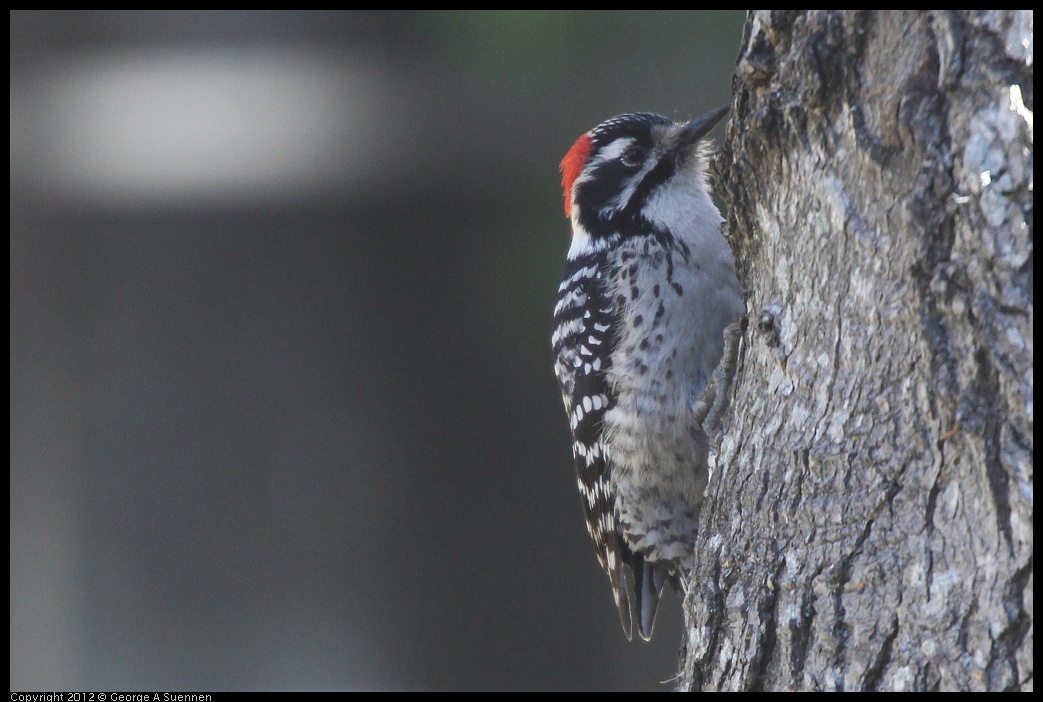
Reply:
x=614 y=172
x=608 y=194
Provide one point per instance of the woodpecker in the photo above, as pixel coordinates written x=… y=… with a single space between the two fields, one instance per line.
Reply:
x=648 y=290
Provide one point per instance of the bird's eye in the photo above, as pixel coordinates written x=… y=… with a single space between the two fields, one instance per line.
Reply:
x=632 y=156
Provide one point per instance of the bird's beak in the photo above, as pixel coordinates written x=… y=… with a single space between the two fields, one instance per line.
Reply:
x=700 y=126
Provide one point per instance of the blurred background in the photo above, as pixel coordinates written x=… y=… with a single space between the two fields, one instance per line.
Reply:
x=283 y=413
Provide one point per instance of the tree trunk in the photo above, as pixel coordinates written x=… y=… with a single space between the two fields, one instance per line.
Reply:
x=869 y=520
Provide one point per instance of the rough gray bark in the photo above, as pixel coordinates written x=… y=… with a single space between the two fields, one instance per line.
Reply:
x=869 y=523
